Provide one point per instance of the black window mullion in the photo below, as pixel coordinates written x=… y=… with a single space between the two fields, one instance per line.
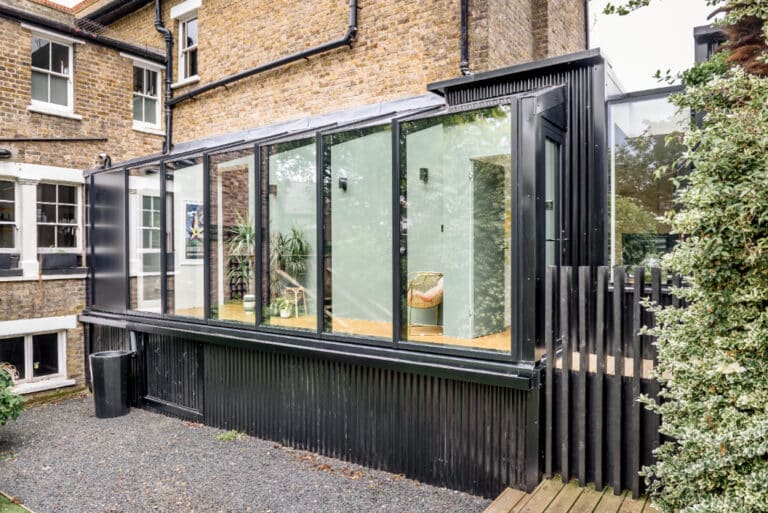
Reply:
x=397 y=239
x=319 y=223
x=259 y=186
x=163 y=243
x=207 y=238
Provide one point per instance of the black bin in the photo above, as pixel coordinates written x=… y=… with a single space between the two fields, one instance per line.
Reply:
x=109 y=375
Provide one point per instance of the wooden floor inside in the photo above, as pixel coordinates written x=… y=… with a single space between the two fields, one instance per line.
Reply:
x=553 y=496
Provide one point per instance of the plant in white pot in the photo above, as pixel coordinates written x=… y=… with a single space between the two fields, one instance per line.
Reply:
x=240 y=246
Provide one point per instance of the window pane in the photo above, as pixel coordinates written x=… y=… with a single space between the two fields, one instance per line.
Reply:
x=191 y=33
x=456 y=227
x=66 y=236
x=151 y=83
x=59 y=93
x=144 y=238
x=39 y=86
x=7 y=191
x=41 y=54
x=551 y=206
x=192 y=63
x=45 y=355
x=184 y=179
x=46 y=213
x=358 y=180
x=12 y=356
x=290 y=219
x=150 y=111
x=46 y=236
x=67 y=214
x=645 y=135
x=60 y=58
x=138 y=80
x=7 y=212
x=46 y=192
x=6 y=235
x=233 y=237
x=138 y=108
x=67 y=194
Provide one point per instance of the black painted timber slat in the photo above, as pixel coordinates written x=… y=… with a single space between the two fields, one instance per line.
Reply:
x=618 y=373
x=637 y=369
x=549 y=335
x=585 y=286
x=566 y=277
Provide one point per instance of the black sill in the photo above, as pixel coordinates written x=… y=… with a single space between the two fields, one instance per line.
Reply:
x=520 y=376
x=4 y=273
x=65 y=271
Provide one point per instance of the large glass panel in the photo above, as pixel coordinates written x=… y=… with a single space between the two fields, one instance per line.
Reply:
x=186 y=226
x=456 y=184
x=7 y=235
x=12 y=356
x=144 y=237
x=644 y=135
x=233 y=236
x=7 y=190
x=45 y=355
x=289 y=200
x=358 y=232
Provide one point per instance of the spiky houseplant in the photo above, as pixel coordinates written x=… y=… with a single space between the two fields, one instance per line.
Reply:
x=240 y=246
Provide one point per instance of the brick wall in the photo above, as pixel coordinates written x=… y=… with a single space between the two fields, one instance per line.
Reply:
x=558 y=27
x=401 y=47
x=102 y=96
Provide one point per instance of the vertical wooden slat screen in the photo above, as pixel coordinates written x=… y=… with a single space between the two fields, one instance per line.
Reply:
x=596 y=366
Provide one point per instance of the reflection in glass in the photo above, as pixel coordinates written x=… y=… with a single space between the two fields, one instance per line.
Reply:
x=644 y=136
x=289 y=273
x=145 y=236
x=233 y=237
x=186 y=237
x=358 y=251
x=45 y=355
x=456 y=229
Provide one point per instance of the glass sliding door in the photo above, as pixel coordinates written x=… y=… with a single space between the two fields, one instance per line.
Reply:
x=185 y=237
x=456 y=229
x=289 y=224
x=144 y=237
x=358 y=232
x=232 y=237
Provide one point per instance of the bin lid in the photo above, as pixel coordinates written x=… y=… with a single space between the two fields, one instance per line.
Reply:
x=110 y=354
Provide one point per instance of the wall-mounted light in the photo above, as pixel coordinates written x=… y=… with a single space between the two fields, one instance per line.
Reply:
x=424 y=174
x=273 y=189
x=5 y=153
x=343 y=183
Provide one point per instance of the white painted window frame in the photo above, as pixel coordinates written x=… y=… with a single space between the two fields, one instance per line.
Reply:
x=184 y=50
x=141 y=250
x=141 y=124
x=78 y=224
x=16 y=215
x=48 y=107
x=61 y=343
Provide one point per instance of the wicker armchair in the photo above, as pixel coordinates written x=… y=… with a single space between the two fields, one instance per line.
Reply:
x=425 y=290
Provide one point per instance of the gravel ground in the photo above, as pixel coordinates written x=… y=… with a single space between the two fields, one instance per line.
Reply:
x=60 y=458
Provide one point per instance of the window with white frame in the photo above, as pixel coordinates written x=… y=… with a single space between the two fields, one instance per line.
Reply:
x=188 y=47
x=57 y=219
x=51 y=73
x=146 y=98
x=33 y=357
x=150 y=250
x=7 y=214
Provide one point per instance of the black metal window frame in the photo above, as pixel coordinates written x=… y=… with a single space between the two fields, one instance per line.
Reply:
x=520 y=358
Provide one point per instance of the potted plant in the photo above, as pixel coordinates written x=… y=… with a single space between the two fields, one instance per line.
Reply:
x=288 y=256
x=282 y=305
x=240 y=246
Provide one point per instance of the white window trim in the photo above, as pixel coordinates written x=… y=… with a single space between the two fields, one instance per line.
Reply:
x=149 y=128
x=28 y=383
x=78 y=248
x=143 y=125
x=42 y=107
x=185 y=8
x=16 y=215
x=183 y=79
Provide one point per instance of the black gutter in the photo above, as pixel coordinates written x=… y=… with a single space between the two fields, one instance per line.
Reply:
x=586 y=24
x=53 y=139
x=347 y=40
x=160 y=27
x=464 y=65
x=62 y=28
x=115 y=10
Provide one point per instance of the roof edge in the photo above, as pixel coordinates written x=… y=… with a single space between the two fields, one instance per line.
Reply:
x=114 y=10
x=581 y=58
x=22 y=16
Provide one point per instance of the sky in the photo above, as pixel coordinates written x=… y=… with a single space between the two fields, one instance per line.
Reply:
x=659 y=36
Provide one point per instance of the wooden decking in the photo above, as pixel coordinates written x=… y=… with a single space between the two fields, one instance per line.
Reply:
x=552 y=496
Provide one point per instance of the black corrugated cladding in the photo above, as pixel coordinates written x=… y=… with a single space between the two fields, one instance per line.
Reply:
x=583 y=74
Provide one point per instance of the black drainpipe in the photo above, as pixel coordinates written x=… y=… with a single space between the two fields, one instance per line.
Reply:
x=160 y=27
x=464 y=66
x=347 y=40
